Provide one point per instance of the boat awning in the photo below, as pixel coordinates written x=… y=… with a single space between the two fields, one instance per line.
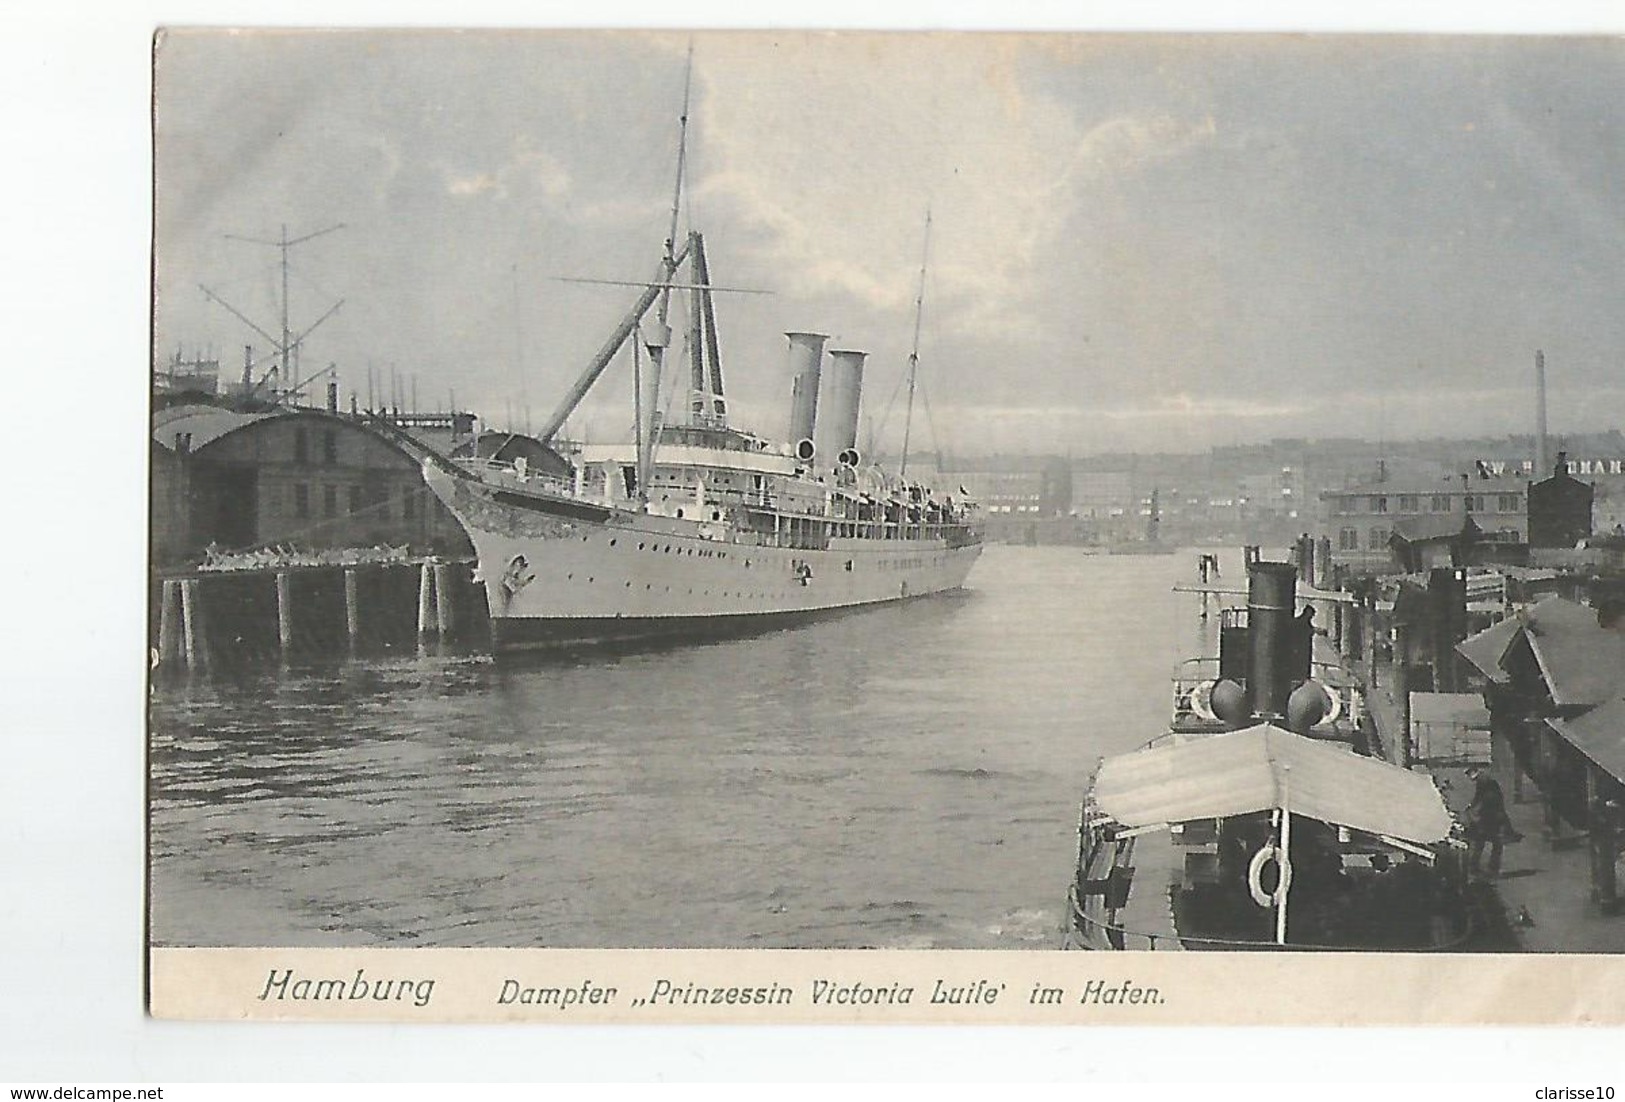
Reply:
x=1259 y=769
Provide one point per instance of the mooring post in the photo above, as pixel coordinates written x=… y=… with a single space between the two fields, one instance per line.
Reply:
x=169 y=602
x=284 y=610
x=425 y=595
x=352 y=608
x=442 y=598
x=189 y=624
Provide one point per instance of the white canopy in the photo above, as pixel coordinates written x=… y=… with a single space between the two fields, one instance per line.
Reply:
x=1262 y=768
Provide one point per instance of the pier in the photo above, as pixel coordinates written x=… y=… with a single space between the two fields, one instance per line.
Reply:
x=302 y=612
x=1555 y=890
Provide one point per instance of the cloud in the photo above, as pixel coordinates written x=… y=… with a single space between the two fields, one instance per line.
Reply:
x=527 y=173
x=1184 y=405
x=1121 y=145
x=834 y=186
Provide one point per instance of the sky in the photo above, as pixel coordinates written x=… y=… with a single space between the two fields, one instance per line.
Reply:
x=1156 y=243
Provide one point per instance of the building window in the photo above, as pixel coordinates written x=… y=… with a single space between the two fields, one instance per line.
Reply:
x=330 y=447
x=330 y=501
x=1348 y=539
x=1408 y=503
x=301 y=446
x=1508 y=503
x=1379 y=504
x=377 y=499
x=1473 y=503
x=1379 y=539
x=301 y=500
x=1440 y=503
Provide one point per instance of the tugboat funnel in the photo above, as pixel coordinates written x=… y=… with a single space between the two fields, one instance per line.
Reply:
x=1272 y=589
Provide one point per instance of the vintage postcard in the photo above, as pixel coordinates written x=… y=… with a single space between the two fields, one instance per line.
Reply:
x=918 y=527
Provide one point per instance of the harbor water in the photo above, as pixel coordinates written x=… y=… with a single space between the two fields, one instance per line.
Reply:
x=906 y=777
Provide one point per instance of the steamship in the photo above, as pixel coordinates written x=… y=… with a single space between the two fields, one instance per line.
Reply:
x=1260 y=819
x=696 y=527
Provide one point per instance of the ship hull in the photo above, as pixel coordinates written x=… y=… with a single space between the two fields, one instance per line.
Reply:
x=560 y=573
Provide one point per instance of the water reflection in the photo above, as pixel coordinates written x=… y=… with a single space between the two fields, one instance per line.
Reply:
x=907 y=776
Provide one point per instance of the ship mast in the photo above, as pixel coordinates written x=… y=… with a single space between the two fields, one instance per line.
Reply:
x=657 y=340
x=655 y=334
x=288 y=347
x=914 y=353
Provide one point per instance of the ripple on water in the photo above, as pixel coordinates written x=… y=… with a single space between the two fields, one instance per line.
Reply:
x=902 y=778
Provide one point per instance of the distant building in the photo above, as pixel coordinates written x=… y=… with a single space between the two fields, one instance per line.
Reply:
x=1103 y=495
x=1424 y=506
x=304 y=478
x=1055 y=488
x=1560 y=508
x=1005 y=493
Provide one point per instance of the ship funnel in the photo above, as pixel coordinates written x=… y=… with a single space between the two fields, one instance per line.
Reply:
x=806 y=357
x=1272 y=591
x=838 y=406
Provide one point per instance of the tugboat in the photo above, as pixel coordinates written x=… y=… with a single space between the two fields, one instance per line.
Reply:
x=1259 y=820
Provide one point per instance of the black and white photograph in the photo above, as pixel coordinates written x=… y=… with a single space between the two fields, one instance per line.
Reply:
x=818 y=490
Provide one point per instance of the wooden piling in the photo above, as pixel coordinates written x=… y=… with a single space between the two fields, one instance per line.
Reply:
x=284 y=610
x=442 y=599
x=352 y=607
x=190 y=635
x=426 y=581
x=1549 y=776
x=169 y=612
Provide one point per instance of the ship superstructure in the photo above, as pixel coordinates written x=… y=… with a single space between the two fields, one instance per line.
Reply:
x=695 y=527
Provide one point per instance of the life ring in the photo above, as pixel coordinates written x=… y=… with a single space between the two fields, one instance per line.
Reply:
x=1334 y=704
x=1201 y=700
x=1255 y=875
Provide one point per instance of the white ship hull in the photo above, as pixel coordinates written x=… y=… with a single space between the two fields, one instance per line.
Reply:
x=562 y=572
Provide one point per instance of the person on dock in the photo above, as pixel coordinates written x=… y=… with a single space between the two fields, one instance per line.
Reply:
x=1487 y=823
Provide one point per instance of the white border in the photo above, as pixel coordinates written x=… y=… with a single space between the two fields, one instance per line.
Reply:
x=75 y=87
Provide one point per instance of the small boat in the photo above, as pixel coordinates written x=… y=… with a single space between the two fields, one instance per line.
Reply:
x=1260 y=820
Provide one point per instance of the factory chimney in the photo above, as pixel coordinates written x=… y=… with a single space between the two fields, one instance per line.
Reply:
x=1540 y=415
